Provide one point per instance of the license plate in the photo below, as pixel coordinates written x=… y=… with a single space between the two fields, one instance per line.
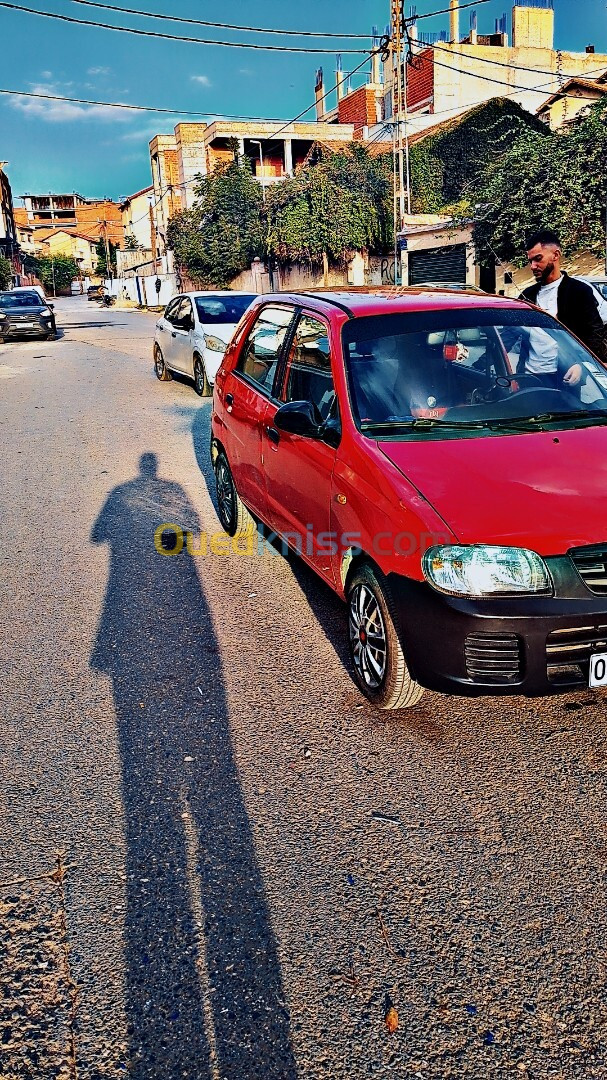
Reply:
x=598 y=669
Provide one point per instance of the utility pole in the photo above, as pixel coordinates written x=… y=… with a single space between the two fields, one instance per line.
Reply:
x=400 y=133
x=107 y=254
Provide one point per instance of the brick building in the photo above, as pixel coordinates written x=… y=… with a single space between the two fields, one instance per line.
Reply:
x=75 y=213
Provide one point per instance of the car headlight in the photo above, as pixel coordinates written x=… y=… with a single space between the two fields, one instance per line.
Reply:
x=483 y=570
x=215 y=344
x=46 y=312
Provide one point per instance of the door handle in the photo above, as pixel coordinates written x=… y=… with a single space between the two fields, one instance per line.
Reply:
x=229 y=400
x=272 y=434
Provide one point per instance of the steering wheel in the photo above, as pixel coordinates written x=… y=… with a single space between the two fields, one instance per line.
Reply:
x=502 y=382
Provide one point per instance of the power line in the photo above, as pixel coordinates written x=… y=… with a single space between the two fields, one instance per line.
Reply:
x=322 y=98
x=134 y=108
x=219 y=25
x=444 y=11
x=173 y=37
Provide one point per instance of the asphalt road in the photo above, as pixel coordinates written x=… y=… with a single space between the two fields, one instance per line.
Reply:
x=216 y=862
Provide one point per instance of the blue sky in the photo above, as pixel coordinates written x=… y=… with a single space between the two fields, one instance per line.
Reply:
x=99 y=152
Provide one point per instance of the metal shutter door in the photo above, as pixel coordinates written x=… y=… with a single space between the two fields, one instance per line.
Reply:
x=444 y=265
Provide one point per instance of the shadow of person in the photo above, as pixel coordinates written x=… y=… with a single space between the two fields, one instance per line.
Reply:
x=204 y=994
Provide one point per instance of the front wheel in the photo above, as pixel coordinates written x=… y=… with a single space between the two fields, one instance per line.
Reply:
x=201 y=383
x=162 y=371
x=233 y=514
x=379 y=663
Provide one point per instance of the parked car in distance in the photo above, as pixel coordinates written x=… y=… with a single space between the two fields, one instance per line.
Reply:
x=94 y=292
x=599 y=288
x=453 y=501
x=30 y=288
x=24 y=314
x=193 y=334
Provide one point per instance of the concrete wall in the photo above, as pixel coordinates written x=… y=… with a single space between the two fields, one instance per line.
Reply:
x=456 y=85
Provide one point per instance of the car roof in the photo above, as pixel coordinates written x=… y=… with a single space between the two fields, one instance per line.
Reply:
x=221 y=292
x=395 y=299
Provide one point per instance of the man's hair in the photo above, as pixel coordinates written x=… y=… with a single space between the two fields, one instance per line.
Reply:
x=543 y=237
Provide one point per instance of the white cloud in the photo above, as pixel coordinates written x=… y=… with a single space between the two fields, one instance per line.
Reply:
x=99 y=71
x=202 y=79
x=147 y=131
x=46 y=75
x=245 y=71
x=57 y=112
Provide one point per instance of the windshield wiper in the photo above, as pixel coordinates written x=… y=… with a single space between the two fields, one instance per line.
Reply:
x=423 y=424
x=523 y=422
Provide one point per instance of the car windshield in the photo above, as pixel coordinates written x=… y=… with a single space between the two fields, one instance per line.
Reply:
x=24 y=299
x=602 y=287
x=215 y=310
x=450 y=371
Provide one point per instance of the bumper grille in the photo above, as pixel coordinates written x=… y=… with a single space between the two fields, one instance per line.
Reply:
x=568 y=653
x=591 y=565
x=493 y=658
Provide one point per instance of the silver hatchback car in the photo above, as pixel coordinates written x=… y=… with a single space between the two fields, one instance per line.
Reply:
x=193 y=334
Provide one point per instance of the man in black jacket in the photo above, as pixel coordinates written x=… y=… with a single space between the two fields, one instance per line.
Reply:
x=570 y=300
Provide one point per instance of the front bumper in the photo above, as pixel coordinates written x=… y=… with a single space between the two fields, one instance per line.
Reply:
x=40 y=329
x=533 y=645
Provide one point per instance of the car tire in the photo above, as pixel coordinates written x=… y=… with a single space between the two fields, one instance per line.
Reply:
x=162 y=371
x=52 y=336
x=233 y=514
x=380 y=668
x=201 y=383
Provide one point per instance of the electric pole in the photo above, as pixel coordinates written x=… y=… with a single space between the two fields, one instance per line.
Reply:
x=400 y=134
x=108 y=267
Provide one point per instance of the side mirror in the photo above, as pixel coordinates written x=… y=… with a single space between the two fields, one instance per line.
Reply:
x=299 y=418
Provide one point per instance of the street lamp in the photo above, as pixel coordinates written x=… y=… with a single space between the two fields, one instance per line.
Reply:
x=257 y=142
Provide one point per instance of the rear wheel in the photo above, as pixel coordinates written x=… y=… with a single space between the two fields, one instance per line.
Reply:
x=201 y=383
x=162 y=371
x=233 y=514
x=379 y=663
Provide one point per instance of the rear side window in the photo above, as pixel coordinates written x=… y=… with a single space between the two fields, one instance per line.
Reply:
x=261 y=351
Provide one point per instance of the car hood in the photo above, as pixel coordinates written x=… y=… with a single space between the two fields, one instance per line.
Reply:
x=545 y=491
x=19 y=309
x=223 y=331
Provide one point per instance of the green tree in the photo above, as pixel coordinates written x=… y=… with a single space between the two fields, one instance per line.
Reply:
x=341 y=204
x=6 y=272
x=102 y=268
x=217 y=239
x=556 y=180
x=58 y=272
x=130 y=242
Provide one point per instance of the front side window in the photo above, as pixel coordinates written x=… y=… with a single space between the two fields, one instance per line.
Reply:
x=185 y=314
x=308 y=376
x=459 y=371
x=261 y=352
x=171 y=309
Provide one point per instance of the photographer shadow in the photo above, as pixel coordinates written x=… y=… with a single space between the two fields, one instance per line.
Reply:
x=204 y=993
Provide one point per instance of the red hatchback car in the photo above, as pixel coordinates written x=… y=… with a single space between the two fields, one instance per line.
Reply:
x=440 y=459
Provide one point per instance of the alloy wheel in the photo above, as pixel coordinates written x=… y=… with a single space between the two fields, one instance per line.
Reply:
x=368 y=636
x=159 y=363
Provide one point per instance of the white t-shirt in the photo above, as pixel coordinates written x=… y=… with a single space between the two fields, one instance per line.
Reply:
x=543 y=349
